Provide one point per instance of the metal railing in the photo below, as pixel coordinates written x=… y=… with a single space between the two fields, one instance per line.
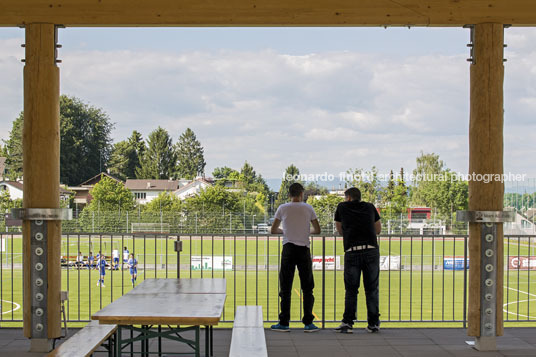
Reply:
x=423 y=278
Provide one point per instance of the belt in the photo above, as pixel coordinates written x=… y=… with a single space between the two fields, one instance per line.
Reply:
x=359 y=247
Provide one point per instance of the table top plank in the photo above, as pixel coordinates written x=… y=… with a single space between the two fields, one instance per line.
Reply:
x=163 y=308
x=182 y=286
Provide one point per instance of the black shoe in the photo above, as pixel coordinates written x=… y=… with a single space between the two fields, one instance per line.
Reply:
x=344 y=328
x=373 y=329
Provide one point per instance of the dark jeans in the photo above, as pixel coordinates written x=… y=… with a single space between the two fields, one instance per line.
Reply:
x=368 y=262
x=296 y=256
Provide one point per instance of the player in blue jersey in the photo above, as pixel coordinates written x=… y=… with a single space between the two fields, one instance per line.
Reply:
x=101 y=264
x=133 y=267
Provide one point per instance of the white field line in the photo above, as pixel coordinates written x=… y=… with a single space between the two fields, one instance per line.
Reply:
x=17 y=306
x=505 y=306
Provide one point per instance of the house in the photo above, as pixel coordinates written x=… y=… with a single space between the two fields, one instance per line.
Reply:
x=82 y=197
x=16 y=190
x=193 y=188
x=147 y=190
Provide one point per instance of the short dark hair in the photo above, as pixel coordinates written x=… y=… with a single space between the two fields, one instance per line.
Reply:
x=353 y=193
x=295 y=189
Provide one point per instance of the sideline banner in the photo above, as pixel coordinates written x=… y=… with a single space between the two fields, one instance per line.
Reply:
x=390 y=262
x=522 y=263
x=208 y=264
x=454 y=263
x=331 y=262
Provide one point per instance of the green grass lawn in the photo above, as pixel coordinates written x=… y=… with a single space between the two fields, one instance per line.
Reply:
x=407 y=296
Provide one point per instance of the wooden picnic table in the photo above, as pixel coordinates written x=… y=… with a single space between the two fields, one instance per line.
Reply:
x=174 y=303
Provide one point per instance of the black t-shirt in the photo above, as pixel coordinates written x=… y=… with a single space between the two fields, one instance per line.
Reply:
x=357 y=220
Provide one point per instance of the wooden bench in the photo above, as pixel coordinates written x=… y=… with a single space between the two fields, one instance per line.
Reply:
x=86 y=341
x=248 y=333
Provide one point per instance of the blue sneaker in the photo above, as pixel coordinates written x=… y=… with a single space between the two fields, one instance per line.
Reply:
x=280 y=328
x=311 y=328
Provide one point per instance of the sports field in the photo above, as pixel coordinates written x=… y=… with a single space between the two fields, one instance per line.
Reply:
x=414 y=290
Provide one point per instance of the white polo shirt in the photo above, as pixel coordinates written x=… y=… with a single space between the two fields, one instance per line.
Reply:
x=296 y=220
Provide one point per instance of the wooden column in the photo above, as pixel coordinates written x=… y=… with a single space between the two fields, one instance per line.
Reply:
x=485 y=157
x=41 y=153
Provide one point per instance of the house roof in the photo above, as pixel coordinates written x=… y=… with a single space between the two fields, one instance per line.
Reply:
x=152 y=185
x=192 y=184
x=95 y=179
x=15 y=184
x=20 y=186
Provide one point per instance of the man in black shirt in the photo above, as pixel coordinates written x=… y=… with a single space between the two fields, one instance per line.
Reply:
x=359 y=222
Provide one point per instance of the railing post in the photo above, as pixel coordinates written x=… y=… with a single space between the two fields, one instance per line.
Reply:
x=464 y=281
x=323 y=282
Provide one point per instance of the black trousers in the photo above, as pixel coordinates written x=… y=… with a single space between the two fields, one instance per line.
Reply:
x=365 y=261
x=294 y=256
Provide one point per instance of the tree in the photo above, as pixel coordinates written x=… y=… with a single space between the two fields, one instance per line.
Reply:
x=125 y=156
x=111 y=195
x=429 y=168
x=313 y=189
x=214 y=199
x=190 y=159
x=367 y=182
x=6 y=204
x=85 y=140
x=119 y=163
x=164 y=202
x=159 y=160
x=325 y=207
x=290 y=177
x=222 y=175
x=13 y=149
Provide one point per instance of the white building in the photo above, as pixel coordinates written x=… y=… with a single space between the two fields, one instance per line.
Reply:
x=145 y=191
x=193 y=188
x=16 y=190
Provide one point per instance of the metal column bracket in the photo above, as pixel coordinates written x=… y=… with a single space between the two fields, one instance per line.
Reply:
x=488 y=270
x=38 y=261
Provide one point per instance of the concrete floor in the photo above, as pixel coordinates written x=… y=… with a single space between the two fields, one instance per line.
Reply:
x=434 y=342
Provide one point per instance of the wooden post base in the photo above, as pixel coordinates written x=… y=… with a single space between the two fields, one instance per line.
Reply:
x=486 y=343
x=41 y=345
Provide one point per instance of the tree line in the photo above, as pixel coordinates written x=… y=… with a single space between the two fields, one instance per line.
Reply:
x=87 y=149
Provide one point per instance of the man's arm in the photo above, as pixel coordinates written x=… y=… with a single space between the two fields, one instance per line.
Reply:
x=316 y=226
x=378 y=226
x=338 y=225
x=275 y=227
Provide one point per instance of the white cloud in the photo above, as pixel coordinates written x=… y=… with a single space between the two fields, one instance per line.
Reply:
x=324 y=111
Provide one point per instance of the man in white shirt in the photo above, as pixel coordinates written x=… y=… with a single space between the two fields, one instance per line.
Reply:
x=296 y=217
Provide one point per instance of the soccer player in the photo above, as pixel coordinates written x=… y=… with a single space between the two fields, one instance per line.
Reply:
x=115 y=260
x=133 y=266
x=101 y=264
x=90 y=261
x=125 y=257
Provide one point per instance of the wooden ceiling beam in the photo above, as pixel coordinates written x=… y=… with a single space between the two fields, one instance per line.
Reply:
x=267 y=12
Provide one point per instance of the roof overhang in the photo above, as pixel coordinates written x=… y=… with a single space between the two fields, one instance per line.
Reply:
x=267 y=12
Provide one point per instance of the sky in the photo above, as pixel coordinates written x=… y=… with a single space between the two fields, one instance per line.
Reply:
x=324 y=99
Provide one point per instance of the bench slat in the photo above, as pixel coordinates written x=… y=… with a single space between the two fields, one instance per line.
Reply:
x=248 y=333
x=248 y=316
x=248 y=342
x=85 y=341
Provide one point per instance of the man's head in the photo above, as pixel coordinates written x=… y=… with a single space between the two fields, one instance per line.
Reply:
x=352 y=194
x=295 y=190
